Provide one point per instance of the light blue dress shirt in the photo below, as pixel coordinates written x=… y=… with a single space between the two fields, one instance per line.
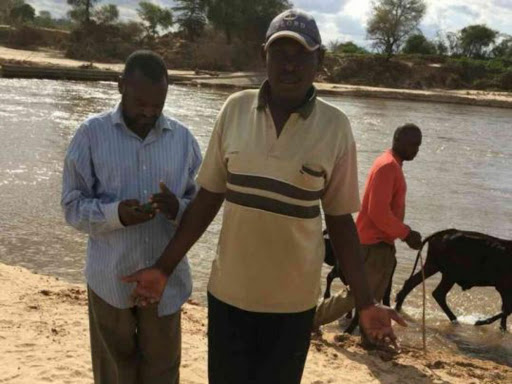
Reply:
x=107 y=163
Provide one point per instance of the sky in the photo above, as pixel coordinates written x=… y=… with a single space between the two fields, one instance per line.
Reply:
x=345 y=20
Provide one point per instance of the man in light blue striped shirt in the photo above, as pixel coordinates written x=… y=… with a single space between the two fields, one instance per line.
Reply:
x=128 y=176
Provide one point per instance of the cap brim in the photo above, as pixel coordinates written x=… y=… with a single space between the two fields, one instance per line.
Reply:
x=307 y=42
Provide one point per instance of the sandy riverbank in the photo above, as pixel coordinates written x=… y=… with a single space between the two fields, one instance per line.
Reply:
x=253 y=79
x=44 y=338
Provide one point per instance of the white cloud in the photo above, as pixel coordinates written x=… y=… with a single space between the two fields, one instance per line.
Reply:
x=321 y=6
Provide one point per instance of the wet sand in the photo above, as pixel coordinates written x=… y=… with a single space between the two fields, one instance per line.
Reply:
x=44 y=338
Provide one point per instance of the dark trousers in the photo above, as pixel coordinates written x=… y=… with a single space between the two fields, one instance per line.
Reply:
x=256 y=348
x=134 y=345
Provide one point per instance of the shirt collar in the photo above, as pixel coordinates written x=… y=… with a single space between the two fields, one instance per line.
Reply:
x=117 y=119
x=396 y=157
x=304 y=110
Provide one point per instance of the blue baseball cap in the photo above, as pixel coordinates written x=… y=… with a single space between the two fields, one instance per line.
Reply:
x=294 y=24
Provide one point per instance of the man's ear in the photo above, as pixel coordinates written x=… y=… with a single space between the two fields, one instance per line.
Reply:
x=121 y=84
x=263 y=53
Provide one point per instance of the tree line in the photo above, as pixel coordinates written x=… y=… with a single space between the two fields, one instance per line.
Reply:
x=241 y=18
x=392 y=28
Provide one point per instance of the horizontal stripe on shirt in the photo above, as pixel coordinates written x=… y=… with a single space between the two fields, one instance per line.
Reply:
x=272 y=205
x=274 y=185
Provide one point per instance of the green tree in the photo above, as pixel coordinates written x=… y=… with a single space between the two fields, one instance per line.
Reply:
x=440 y=44
x=44 y=19
x=245 y=18
x=107 y=14
x=226 y=16
x=475 y=40
x=22 y=13
x=82 y=10
x=348 y=47
x=503 y=48
x=453 y=43
x=392 y=21
x=5 y=9
x=191 y=17
x=419 y=44
x=155 y=17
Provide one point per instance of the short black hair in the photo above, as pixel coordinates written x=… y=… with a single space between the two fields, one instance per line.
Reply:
x=149 y=63
x=406 y=128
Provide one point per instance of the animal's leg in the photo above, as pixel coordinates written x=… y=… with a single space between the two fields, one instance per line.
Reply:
x=503 y=315
x=386 y=300
x=411 y=283
x=491 y=320
x=330 y=277
x=353 y=324
x=440 y=295
x=503 y=323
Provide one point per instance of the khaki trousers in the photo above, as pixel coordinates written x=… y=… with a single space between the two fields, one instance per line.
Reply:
x=379 y=261
x=134 y=345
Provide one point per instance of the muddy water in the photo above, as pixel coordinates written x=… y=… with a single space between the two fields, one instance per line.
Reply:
x=462 y=178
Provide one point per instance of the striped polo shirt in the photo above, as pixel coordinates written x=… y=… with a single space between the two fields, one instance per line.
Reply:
x=270 y=250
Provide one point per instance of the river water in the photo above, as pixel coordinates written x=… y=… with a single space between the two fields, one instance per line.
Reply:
x=462 y=178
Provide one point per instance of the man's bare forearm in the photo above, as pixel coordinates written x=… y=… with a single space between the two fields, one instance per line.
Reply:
x=199 y=214
x=345 y=242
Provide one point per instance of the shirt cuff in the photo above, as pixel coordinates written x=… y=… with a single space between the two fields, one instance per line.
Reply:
x=111 y=212
x=405 y=233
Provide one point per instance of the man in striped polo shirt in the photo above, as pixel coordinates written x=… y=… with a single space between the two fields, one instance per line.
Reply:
x=114 y=164
x=275 y=155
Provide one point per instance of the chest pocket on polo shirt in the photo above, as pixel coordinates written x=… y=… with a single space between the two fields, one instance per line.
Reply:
x=313 y=177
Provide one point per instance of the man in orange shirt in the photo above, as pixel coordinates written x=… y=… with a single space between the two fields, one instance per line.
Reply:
x=380 y=222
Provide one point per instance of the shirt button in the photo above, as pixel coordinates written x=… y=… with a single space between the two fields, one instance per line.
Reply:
x=144 y=167
x=146 y=240
x=145 y=192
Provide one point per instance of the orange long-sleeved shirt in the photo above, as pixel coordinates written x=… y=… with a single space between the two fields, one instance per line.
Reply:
x=383 y=209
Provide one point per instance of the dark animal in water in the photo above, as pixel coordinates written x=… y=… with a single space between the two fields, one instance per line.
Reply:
x=469 y=259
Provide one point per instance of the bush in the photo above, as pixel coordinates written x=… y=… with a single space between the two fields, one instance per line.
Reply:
x=469 y=70
x=100 y=42
x=375 y=70
x=505 y=81
x=208 y=52
x=25 y=37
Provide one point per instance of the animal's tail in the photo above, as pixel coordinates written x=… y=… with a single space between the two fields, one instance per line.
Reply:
x=426 y=240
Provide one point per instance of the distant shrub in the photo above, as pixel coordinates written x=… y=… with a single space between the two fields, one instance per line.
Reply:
x=101 y=42
x=468 y=70
x=25 y=37
x=505 y=80
x=208 y=52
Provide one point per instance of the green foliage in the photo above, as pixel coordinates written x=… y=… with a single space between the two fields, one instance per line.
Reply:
x=82 y=10
x=392 y=21
x=22 y=13
x=505 y=80
x=105 y=42
x=155 y=17
x=107 y=14
x=191 y=17
x=503 y=48
x=244 y=18
x=419 y=44
x=338 y=47
x=5 y=9
x=44 y=19
x=475 y=40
